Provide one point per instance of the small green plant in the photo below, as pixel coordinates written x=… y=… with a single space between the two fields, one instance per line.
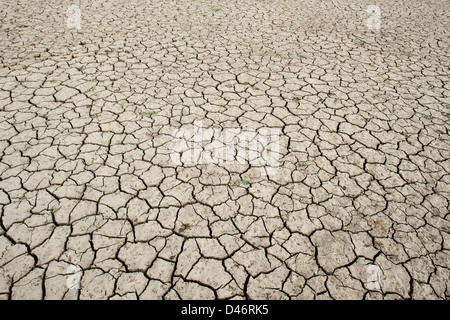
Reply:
x=151 y=113
x=20 y=26
x=297 y=290
x=67 y=45
x=215 y=9
x=296 y=100
x=445 y=115
x=243 y=182
x=246 y=66
x=302 y=165
x=300 y=56
x=426 y=116
x=85 y=219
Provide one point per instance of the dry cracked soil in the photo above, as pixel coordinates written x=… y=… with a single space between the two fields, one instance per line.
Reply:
x=93 y=205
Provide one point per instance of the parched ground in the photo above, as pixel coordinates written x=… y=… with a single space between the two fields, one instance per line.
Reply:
x=89 y=193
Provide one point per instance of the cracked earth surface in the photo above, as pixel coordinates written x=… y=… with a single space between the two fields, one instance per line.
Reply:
x=88 y=190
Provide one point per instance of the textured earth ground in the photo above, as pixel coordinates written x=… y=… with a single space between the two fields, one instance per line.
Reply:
x=357 y=209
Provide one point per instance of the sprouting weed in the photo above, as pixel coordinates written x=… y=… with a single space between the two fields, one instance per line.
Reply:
x=297 y=290
x=243 y=182
x=302 y=165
